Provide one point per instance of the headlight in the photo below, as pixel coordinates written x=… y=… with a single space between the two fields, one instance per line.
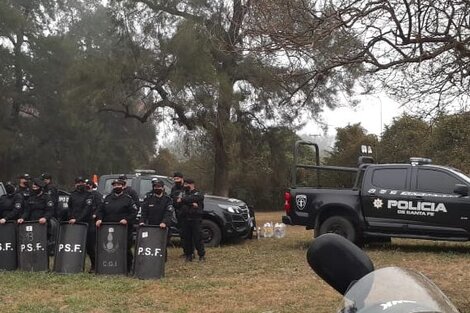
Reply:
x=230 y=208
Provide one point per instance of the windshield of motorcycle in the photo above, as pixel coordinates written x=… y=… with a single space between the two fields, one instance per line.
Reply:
x=395 y=290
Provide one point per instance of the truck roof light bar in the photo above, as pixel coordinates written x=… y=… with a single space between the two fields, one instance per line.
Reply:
x=420 y=161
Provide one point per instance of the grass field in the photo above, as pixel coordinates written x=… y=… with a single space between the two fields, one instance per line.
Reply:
x=266 y=275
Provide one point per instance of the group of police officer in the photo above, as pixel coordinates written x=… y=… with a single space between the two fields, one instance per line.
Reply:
x=37 y=199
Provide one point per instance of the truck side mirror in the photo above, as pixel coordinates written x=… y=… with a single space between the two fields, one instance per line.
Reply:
x=461 y=190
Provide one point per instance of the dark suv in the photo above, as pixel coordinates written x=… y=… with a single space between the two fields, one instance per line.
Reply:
x=223 y=218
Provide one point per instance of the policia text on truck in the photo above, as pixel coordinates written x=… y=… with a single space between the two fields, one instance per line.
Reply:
x=414 y=200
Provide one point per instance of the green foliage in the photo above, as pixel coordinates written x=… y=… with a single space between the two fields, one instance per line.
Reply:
x=406 y=137
x=450 y=145
x=58 y=128
x=347 y=147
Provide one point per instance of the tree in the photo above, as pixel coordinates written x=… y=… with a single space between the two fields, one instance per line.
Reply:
x=194 y=58
x=56 y=128
x=347 y=148
x=450 y=141
x=406 y=137
x=419 y=49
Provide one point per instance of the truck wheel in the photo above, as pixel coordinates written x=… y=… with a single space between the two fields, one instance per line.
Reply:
x=341 y=226
x=211 y=233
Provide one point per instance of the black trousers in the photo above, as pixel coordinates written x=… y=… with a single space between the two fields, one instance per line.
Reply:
x=192 y=237
x=91 y=243
x=130 y=256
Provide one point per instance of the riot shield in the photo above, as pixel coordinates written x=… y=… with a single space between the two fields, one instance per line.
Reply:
x=111 y=249
x=32 y=247
x=70 y=248
x=150 y=252
x=8 y=258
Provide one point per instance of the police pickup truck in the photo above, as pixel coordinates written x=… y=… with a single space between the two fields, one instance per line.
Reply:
x=414 y=200
x=223 y=218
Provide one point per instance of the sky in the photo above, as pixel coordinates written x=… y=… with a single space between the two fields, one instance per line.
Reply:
x=373 y=112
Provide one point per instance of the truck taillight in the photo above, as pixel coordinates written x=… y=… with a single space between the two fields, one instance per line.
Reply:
x=287 y=198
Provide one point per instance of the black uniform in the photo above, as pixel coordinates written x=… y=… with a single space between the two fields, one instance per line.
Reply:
x=113 y=210
x=25 y=193
x=191 y=223
x=81 y=209
x=133 y=194
x=38 y=206
x=177 y=191
x=156 y=210
x=11 y=206
x=52 y=191
x=97 y=200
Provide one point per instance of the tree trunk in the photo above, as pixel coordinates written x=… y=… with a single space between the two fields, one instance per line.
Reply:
x=16 y=103
x=221 y=171
x=222 y=140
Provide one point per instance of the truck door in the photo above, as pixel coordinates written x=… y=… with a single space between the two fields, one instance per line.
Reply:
x=437 y=204
x=384 y=187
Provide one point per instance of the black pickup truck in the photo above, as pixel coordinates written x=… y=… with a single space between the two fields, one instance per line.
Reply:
x=413 y=200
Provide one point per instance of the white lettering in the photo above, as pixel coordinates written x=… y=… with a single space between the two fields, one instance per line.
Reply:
x=149 y=251
x=110 y=263
x=402 y=205
x=7 y=246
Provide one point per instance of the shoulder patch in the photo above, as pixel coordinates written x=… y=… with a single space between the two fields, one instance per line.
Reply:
x=18 y=205
x=50 y=203
x=89 y=201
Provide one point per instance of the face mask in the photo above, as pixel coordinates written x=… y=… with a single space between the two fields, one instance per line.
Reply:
x=158 y=191
x=187 y=188
x=117 y=190
x=81 y=188
x=36 y=191
x=178 y=183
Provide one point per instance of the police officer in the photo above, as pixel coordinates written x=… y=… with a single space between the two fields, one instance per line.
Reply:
x=129 y=190
x=81 y=211
x=157 y=207
x=192 y=205
x=23 y=186
x=119 y=207
x=51 y=190
x=11 y=204
x=176 y=192
x=39 y=206
x=178 y=189
x=97 y=196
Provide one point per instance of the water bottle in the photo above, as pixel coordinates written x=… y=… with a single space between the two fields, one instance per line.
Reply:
x=279 y=230
x=268 y=230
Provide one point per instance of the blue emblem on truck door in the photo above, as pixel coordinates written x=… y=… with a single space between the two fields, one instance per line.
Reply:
x=301 y=201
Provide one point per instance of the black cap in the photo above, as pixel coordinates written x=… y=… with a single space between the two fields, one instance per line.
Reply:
x=118 y=181
x=189 y=181
x=178 y=174
x=122 y=177
x=38 y=182
x=46 y=176
x=158 y=182
x=24 y=176
x=79 y=179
